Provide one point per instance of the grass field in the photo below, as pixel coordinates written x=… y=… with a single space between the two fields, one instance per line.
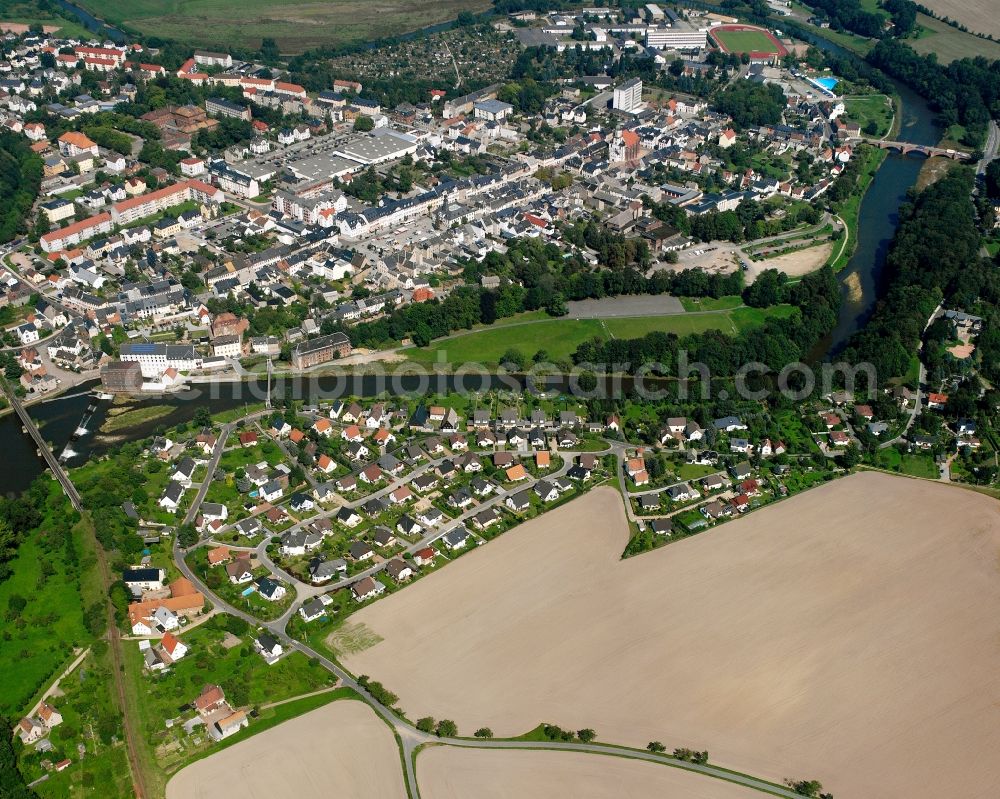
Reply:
x=38 y=640
x=913 y=465
x=870 y=108
x=560 y=337
x=296 y=25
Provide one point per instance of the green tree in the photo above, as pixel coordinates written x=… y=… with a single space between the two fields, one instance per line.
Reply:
x=187 y=536
x=656 y=746
x=426 y=724
x=446 y=728
x=363 y=124
x=586 y=735
x=484 y=732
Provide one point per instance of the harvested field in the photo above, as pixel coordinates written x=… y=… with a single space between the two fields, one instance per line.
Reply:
x=340 y=749
x=848 y=635
x=949 y=43
x=446 y=772
x=977 y=15
x=295 y=25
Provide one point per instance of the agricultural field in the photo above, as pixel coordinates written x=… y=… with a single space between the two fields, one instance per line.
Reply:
x=446 y=772
x=296 y=26
x=31 y=12
x=340 y=749
x=560 y=337
x=949 y=43
x=212 y=658
x=979 y=16
x=801 y=672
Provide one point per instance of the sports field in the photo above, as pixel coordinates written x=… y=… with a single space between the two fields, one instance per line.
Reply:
x=296 y=25
x=747 y=39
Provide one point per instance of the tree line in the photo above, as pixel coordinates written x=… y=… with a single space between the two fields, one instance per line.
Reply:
x=776 y=343
x=934 y=258
x=966 y=91
x=20 y=180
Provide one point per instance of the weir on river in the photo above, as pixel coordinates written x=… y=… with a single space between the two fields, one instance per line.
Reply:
x=878 y=217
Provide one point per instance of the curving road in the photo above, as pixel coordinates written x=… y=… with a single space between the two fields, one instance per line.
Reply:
x=411 y=739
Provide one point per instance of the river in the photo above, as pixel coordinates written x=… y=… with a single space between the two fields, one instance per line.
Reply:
x=58 y=419
x=878 y=216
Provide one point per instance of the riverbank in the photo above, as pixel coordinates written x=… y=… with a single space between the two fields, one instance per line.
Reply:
x=849 y=213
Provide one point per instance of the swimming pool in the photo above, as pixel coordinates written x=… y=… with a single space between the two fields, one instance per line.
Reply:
x=826 y=83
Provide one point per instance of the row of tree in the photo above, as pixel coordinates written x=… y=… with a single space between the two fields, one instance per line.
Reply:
x=776 y=343
x=20 y=180
x=934 y=258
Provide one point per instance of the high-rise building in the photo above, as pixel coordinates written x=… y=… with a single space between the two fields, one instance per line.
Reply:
x=628 y=96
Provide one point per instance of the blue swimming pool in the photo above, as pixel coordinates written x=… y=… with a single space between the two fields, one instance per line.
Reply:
x=826 y=83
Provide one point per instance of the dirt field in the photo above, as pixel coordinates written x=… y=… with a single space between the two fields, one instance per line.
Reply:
x=340 y=749
x=446 y=772
x=977 y=15
x=848 y=635
x=793 y=264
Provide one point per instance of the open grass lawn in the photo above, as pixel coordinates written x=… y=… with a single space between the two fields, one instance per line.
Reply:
x=745 y=41
x=694 y=471
x=43 y=635
x=913 y=465
x=241 y=457
x=296 y=25
x=560 y=337
x=244 y=676
x=949 y=43
x=870 y=108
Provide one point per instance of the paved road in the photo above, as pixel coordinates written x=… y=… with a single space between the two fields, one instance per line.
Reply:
x=990 y=149
x=305 y=591
x=411 y=738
